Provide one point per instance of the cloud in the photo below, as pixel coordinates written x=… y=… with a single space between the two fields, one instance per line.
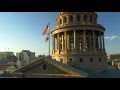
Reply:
x=112 y=37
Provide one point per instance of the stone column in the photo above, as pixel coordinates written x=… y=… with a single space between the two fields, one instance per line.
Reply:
x=58 y=41
x=103 y=42
x=62 y=43
x=100 y=40
x=62 y=21
x=65 y=39
x=68 y=41
x=53 y=42
x=97 y=40
x=67 y=19
x=94 y=40
x=84 y=40
x=90 y=41
x=74 y=39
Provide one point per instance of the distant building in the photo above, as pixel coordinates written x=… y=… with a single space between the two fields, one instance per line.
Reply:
x=112 y=58
x=116 y=63
x=7 y=58
x=25 y=57
x=41 y=56
x=5 y=55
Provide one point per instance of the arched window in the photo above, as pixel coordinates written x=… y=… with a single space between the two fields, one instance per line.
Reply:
x=61 y=60
x=71 y=18
x=85 y=18
x=91 y=18
x=78 y=17
x=65 y=19
x=60 y=21
x=70 y=60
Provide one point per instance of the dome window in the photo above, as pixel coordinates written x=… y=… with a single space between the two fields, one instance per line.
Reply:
x=71 y=18
x=64 y=19
x=85 y=18
x=78 y=17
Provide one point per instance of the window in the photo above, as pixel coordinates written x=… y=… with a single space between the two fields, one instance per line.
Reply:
x=70 y=59
x=91 y=59
x=64 y=19
x=61 y=60
x=91 y=19
x=44 y=67
x=71 y=18
x=81 y=59
x=78 y=17
x=85 y=18
x=100 y=60
x=60 y=21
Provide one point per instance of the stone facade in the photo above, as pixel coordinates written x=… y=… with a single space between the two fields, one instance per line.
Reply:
x=78 y=40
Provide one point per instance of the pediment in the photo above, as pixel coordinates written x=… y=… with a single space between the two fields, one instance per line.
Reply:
x=47 y=67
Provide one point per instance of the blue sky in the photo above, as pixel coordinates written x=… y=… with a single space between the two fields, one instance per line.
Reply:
x=23 y=30
x=111 y=21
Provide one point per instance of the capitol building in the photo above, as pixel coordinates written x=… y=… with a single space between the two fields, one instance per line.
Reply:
x=79 y=41
x=78 y=50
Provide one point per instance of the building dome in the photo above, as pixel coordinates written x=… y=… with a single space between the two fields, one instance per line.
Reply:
x=76 y=18
x=78 y=40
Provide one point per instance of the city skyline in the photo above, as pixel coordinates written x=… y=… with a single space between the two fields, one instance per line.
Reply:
x=23 y=31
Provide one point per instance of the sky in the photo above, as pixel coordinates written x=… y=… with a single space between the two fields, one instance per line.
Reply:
x=23 y=31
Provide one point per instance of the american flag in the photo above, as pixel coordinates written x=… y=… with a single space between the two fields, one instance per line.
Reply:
x=46 y=31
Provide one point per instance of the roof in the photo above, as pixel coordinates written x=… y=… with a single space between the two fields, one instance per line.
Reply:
x=109 y=73
x=68 y=69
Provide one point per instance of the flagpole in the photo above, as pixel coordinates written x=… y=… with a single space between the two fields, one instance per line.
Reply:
x=49 y=39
